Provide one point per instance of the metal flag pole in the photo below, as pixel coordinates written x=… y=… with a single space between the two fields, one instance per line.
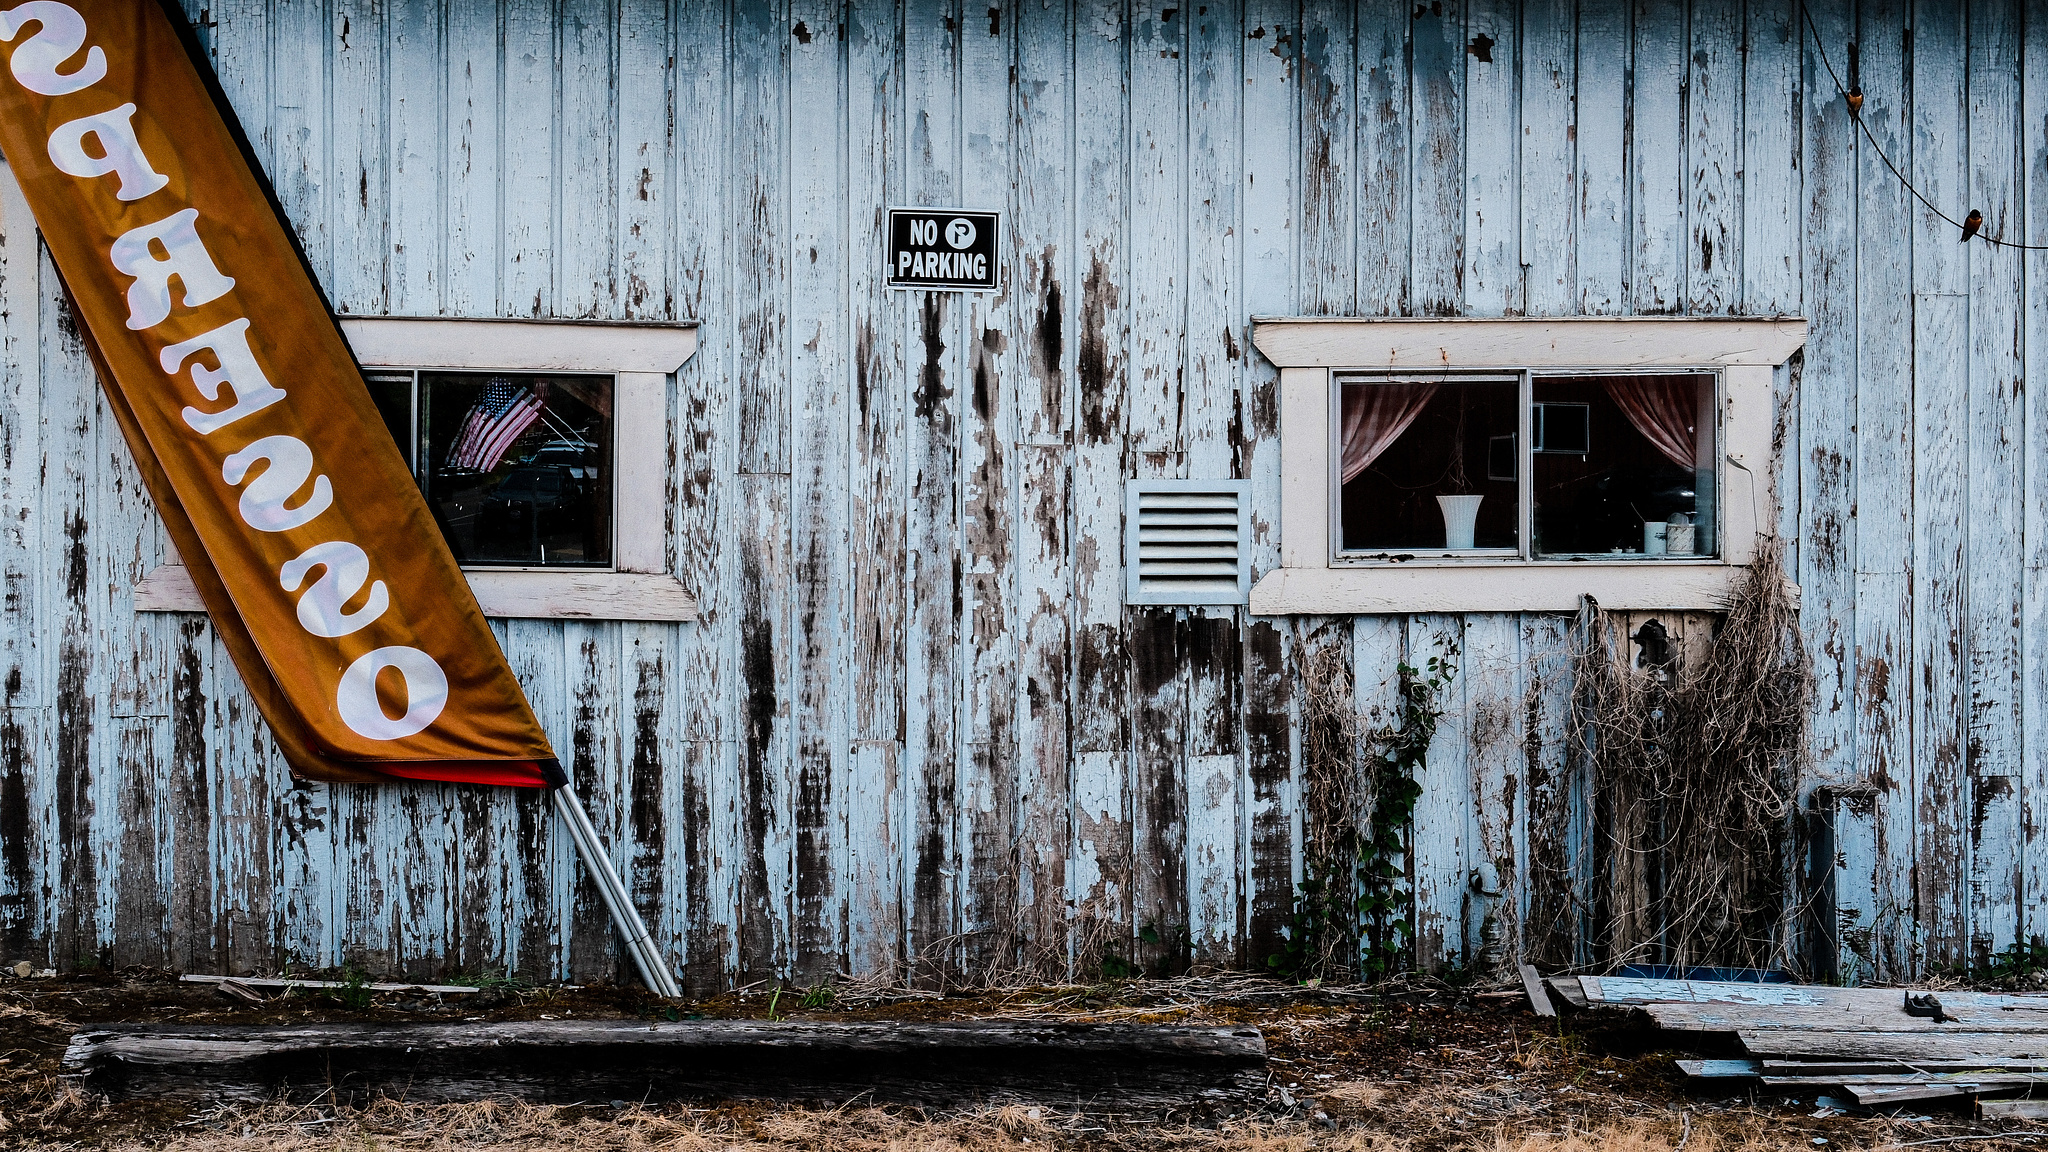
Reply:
x=654 y=970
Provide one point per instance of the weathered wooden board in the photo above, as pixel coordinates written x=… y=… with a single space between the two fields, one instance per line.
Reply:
x=1955 y=1047
x=2013 y=1109
x=1804 y=1002
x=1836 y=1018
x=1103 y=1067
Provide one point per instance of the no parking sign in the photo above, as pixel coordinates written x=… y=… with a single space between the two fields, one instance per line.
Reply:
x=943 y=249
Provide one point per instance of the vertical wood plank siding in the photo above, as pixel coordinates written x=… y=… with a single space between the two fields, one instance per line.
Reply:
x=916 y=730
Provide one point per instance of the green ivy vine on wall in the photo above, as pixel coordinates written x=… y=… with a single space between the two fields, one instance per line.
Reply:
x=1355 y=898
x=1385 y=904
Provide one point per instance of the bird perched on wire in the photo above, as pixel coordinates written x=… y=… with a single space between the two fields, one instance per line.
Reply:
x=1971 y=223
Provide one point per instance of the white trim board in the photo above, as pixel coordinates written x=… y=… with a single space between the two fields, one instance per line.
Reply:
x=565 y=595
x=1617 y=342
x=1505 y=587
x=521 y=345
x=1311 y=580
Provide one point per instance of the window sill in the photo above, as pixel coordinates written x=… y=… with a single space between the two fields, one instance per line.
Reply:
x=1380 y=561
x=1525 y=587
x=651 y=597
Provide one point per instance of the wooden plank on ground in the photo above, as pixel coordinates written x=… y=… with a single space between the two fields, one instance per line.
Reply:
x=1113 y=1067
x=1532 y=983
x=1809 y=1018
x=1917 y=1047
x=2013 y=1109
x=1921 y=1068
x=1621 y=990
x=1571 y=988
x=1868 y=1095
x=1631 y=990
x=1719 y=1069
x=1972 y=1079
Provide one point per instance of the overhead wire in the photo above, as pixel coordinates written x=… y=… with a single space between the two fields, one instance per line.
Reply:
x=1856 y=114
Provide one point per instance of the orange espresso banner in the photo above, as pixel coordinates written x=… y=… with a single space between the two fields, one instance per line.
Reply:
x=322 y=570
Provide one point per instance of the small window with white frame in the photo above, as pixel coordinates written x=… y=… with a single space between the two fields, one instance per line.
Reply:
x=1530 y=465
x=543 y=450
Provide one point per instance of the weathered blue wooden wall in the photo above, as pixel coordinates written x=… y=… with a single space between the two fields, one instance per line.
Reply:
x=917 y=723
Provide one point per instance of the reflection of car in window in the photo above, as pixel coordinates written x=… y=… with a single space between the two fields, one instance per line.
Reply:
x=580 y=460
x=531 y=498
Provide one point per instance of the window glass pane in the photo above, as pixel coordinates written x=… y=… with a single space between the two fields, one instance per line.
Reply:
x=391 y=392
x=517 y=467
x=1428 y=465
x=1624 y=465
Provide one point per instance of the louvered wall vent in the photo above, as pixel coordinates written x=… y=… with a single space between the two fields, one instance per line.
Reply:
x=1187 y=542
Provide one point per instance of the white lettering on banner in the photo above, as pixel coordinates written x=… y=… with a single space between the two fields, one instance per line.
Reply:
x=291 y=462
x=121 y=153
x=60 y=35
x=426 y=693
x=345 y=567
x=238 y=369
x=149 y=298
x=344 y=570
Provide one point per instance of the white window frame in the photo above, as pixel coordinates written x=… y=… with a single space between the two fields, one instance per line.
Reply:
x=641 y=358
x=1314 y=579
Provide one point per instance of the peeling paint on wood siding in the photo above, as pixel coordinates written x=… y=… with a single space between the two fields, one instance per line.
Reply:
x=1878 y=886
x=2032 y=214
x=917 y=731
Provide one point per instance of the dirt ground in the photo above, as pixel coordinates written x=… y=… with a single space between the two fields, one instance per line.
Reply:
x=1413 y=1069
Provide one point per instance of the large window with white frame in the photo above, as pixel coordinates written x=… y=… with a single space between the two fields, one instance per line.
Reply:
x=1581 y=465
x=1519 y=465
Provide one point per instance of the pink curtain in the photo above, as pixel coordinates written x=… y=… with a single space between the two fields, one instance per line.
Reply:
x=1375 y=415
x=1663 y=409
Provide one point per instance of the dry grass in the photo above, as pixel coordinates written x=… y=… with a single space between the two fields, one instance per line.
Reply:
x=1417 y=1067
x=485 y=1127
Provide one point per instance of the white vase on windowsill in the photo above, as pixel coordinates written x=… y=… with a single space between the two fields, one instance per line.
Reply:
x=1461 y=515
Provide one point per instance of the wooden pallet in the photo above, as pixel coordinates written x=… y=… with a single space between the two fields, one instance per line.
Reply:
x=1861 y=1043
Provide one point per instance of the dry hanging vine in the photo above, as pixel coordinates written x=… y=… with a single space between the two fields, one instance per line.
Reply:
x=1694 y=766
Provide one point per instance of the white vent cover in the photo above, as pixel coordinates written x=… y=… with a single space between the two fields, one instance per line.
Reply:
x=1187 y=542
